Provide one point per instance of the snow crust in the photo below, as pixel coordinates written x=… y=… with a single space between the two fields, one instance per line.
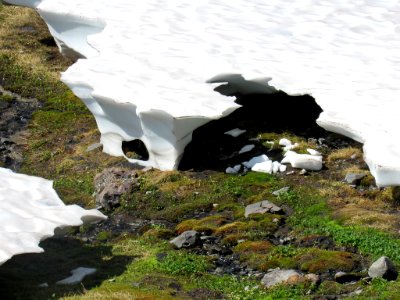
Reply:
x=77 y=275
x=149 y=63
x=30 y=211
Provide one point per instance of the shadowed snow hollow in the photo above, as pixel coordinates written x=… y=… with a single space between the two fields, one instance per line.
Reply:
x=148 y=63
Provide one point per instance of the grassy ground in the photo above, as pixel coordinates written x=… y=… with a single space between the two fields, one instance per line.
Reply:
x=363 y=223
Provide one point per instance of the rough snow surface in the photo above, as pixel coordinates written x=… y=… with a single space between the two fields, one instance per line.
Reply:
x=30 y=211
x=149 y=61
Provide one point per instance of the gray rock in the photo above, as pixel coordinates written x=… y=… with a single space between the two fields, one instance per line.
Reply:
x=354 y=178
x=314 y=278
x=303 y=172
x=281 y=276
x=261 y=208
x=281 y=191
x=93 y=147
x=383 y=267
x=187 y=239
x=111 y=184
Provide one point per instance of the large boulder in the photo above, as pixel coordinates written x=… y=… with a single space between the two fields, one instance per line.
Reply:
x=111 y=184
x=187 y=239
x=384 y=268
x=281 y=276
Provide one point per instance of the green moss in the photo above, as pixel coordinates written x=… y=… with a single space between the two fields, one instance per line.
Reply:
x=321 y=261
x=6 y=98
x=159 y=233
x=248 y=247
x=208 y=224
x=181 y=263
x=248 y=230
x=103 y=235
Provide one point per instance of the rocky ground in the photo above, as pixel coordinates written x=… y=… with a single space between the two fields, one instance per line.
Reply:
x=191 y=233
x=15 y=113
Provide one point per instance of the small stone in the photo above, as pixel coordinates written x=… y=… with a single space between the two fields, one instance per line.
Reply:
x=135 y=284
x=384 y=268
x=281 y=276
x=281 y=191
x=314 y=278
x=354 y=156
x=230 y=170
x=290 y=173
x=219 y=271
x=187 y=239
x=354 y=178
x=261 y=208
x=303 y=172
x=161 y=256
x=93 y=147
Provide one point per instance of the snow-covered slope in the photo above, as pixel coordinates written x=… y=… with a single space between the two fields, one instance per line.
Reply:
x=30 y=211
x=149 y=61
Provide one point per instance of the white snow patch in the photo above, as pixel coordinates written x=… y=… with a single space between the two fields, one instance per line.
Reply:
x=285 y=142
x=77 y=276
x=257 y=159
x=264 y=167
x=235 y=132
x=30 y=211
x=303 y=161
x=314 y=152
x=246 y=148
x=148 y=64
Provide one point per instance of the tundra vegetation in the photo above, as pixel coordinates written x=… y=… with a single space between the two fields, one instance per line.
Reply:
x=328 y=226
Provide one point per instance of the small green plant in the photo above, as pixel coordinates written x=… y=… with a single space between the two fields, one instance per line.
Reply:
x=181 y=263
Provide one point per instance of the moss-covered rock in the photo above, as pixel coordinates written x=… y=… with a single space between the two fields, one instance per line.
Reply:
x=207 y=225
x=320 y=261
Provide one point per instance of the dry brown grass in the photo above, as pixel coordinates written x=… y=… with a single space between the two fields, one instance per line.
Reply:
x=16 y=24
x=343 y=154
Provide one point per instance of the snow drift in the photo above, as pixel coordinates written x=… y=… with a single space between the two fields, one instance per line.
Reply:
x=148 y=63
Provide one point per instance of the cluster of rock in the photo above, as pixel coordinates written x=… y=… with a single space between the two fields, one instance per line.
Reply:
x=229 y=263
